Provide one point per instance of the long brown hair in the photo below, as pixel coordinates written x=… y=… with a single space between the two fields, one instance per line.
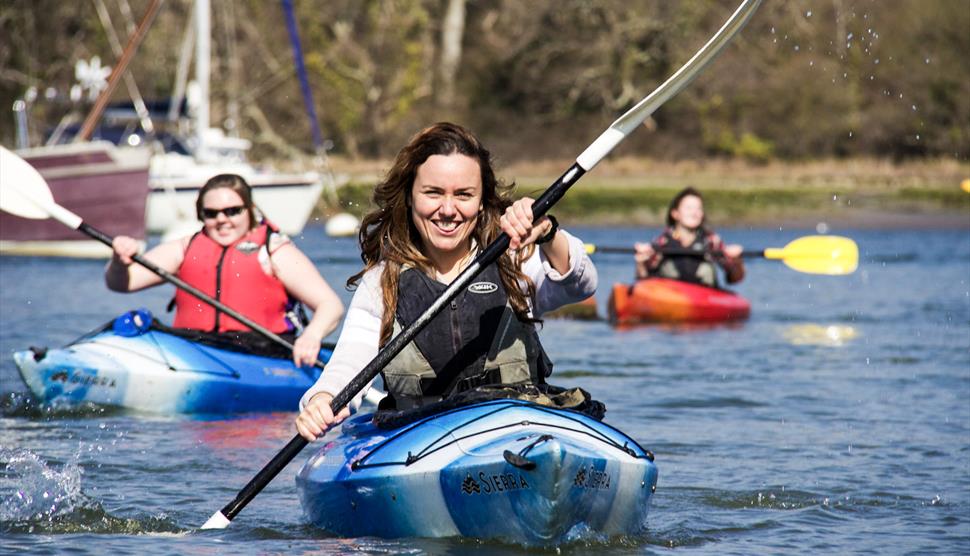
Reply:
x=235 y=183
x=387 y=234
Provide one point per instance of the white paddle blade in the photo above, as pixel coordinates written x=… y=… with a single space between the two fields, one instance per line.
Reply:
x=23 y=191
x=217 y=521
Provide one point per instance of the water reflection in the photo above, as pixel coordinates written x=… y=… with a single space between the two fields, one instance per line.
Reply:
x=833 y=335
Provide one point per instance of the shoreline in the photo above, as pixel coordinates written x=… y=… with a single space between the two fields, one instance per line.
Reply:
x=851 y=193
x=860 y=219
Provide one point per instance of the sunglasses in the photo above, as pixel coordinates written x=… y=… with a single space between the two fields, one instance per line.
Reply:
x=211 y=214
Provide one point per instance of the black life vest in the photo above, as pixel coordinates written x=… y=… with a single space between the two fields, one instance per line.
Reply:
x=688 y=268
x=477 y=340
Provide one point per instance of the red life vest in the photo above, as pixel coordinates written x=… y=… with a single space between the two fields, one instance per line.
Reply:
x=234 y=276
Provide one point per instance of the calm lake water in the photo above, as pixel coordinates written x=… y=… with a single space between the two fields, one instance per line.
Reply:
x=836 y=420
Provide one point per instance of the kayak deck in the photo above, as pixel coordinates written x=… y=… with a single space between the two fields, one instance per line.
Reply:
x=160 y=372
x=505 y=469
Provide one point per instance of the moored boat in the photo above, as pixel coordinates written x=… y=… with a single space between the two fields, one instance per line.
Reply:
x=137 y=363
x=286 y=199
x=674 y=301
x=502 y=469
x=106 y=183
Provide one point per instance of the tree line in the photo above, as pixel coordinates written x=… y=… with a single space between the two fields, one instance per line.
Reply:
x=536 y=79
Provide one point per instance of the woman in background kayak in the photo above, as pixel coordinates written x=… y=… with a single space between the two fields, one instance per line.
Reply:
x=686 y=232
x=247 y=265
x=437 y=207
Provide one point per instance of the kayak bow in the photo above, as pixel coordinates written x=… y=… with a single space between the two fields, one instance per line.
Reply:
x=505 y=469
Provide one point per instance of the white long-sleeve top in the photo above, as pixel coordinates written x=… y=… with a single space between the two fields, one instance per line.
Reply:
x=359 y=339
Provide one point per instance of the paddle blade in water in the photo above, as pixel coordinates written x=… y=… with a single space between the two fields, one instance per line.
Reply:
x=217 y=521
x=834 y=255
x=23 y=191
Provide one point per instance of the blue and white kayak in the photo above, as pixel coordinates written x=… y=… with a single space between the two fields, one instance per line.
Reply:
x=155 y=368
x=504 y=469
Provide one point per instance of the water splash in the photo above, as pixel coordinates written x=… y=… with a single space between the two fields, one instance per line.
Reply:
x=40 y=493
x=36 y=497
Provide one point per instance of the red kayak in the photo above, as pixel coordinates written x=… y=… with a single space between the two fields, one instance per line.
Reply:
x=666 y=300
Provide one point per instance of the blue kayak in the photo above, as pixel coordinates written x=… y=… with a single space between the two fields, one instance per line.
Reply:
x=151 y=367
x=503 y=469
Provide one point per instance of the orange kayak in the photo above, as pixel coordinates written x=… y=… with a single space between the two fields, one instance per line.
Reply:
x=666 y=300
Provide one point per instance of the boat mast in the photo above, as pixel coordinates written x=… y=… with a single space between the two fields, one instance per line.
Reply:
x=120 y=67
x=202 y=60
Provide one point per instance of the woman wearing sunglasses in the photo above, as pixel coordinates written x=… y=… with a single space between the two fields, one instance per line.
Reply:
x=245 y=264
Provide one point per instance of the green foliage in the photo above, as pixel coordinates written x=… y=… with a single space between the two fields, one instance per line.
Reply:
x=754 y=149
x=950 y=197
x=542 y=78
x=355 y=197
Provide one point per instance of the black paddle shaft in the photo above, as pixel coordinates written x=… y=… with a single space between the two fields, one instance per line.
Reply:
x=675 y=251
x=168 y=276
x=491 y=254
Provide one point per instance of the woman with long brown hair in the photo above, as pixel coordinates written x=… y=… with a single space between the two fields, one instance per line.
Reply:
x=439 y=204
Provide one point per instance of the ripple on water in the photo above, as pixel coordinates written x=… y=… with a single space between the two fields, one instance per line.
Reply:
x=789 y=499
x=23 y=404
x=708 y=403
x=765 y=499
x=577 y=373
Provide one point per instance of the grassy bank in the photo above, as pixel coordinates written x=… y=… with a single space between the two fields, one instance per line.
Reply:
x=626 y=191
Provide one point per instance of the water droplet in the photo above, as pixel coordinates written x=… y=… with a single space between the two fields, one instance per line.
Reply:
x=876 y=61
x=808 y=13
x=849 y=37
x=796 y=48
x=917 y=136
x=850 y=134
x=811 y=62
x=914 y=108
x=926 y=60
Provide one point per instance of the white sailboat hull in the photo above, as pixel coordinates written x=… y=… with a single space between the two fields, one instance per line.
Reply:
x=287 y=200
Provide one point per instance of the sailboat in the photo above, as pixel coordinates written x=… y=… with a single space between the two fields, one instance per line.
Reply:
x=285 y=199
x=104 y=182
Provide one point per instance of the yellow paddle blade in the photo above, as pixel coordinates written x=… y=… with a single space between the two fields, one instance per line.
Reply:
x=965 y=185
x=590 y=248
x=832 y=255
